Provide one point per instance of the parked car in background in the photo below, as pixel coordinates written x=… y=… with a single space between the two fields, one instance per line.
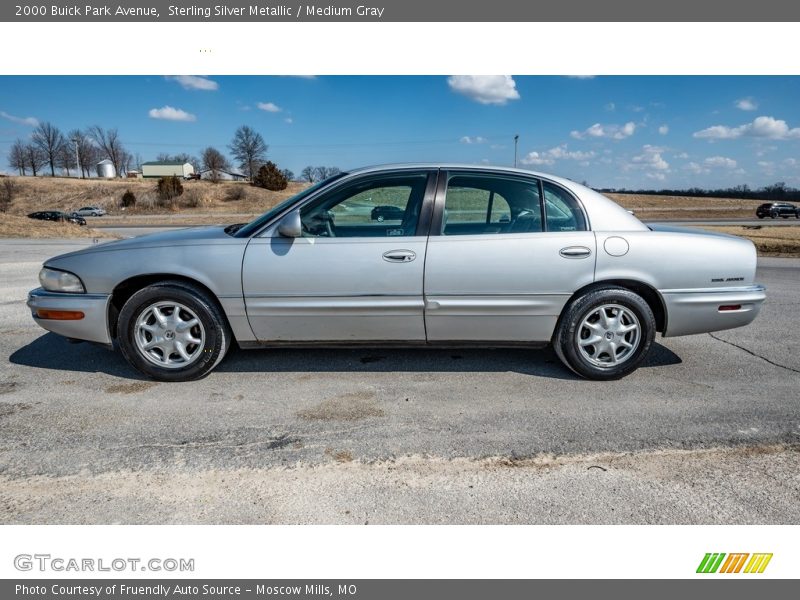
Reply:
x=387 y=213
x=774 y=210
x=482 y=256
x=89 y=211
x=57 y=216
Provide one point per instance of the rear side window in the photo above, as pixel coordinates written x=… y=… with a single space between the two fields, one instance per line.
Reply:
x=561 y=210
x=488 y=204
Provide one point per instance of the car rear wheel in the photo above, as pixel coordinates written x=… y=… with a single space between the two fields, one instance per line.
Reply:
x=773 y=215
x=605 y=333
x=173 y=331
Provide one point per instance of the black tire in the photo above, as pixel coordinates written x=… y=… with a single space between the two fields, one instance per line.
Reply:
x=760 y=216
x=773 y=215
x=565 y=338
x=218 y=334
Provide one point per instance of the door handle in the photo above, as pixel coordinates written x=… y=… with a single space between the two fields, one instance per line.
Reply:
x=575 y=252
x=399 y=256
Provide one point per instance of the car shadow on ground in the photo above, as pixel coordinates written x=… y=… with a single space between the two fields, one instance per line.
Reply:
x=51 y=351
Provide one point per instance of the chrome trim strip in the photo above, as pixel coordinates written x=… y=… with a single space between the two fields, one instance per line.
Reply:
x=719 y=290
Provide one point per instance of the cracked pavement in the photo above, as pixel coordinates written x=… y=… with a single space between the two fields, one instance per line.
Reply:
x=706 y=432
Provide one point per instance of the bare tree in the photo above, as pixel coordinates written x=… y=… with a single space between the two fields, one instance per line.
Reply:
x=34 y=158
x=214 y=162
x=16 y=157
x=288 y=173
x=249 y=148
x=309 y=174
x=88 y=154
x=66 y=158
x=110 y=145
x=50 y=141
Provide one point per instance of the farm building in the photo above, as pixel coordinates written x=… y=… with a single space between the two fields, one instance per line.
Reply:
x=164 y=168
x=224 y=175
x=105 y=168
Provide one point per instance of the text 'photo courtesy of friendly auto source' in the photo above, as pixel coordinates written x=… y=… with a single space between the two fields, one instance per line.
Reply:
x=457 y=310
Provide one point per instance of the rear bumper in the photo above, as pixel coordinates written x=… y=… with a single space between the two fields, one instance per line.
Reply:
x=698 y=311
x=92 y=327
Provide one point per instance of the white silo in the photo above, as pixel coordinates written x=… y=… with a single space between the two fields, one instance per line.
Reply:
x=105 y=168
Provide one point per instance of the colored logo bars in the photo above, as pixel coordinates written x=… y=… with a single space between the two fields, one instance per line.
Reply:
x=734 y=562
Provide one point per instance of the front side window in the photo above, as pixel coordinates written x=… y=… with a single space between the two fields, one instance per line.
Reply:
x=385 y=206
x=488 y=204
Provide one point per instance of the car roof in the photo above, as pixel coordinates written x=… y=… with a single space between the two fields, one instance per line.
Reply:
x=456 y=166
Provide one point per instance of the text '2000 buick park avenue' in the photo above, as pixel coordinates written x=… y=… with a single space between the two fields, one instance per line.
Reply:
x=407 y=255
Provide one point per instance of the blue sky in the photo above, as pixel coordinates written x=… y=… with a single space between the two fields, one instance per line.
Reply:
x=626 y=131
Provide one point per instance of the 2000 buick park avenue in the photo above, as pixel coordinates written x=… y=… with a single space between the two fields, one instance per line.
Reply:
x=459 y=255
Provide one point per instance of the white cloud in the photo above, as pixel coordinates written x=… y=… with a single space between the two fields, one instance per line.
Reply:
x=549 y=157
x=791 y=162
x=486 y=89
x=746 y=104
x=696 y=168
x=29 y=121
x=289 y=120
x=682 y=155
x=169 y=113
x=472 y=140
x=657 y=176
x=663 y=130
x=760 y=127
x=269 y=107
x=616 y=132
x=720 y=162
x=651 y=159
x=610 y=106
x=194 y=82
x=581 y=76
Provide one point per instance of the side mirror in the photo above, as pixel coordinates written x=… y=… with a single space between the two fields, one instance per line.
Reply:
x=290 y=225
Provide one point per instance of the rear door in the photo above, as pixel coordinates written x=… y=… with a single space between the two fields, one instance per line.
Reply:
x=355 y=274
x=504 y=255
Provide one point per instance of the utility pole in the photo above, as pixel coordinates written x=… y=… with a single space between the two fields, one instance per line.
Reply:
x=78 y=157
x=516 y=140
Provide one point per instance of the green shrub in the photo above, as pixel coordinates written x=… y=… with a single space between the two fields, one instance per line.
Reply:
x=270 y=177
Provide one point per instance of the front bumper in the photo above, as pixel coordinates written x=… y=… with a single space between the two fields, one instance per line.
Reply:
x=698 y=310
x=92 y=327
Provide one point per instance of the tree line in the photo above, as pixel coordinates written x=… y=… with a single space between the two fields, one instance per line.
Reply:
x=777 y=191
x=80 y=150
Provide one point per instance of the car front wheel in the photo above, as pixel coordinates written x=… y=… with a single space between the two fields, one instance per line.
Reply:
x=173 y=331
x=605 y=333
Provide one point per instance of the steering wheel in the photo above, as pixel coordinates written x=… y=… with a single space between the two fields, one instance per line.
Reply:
x=321 y=225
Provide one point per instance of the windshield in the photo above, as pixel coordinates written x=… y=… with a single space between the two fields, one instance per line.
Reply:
x=253 y=226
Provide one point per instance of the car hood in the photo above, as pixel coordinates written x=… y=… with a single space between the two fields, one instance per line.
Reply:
x=176 y=237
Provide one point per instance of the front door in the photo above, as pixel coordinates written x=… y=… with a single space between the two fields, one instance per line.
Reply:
x=501 y=263
x=356 y=272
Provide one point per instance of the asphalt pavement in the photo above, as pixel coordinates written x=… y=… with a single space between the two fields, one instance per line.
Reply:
x=706 y=432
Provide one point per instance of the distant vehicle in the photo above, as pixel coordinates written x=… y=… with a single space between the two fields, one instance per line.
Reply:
x=57 y=216
x=387 y=213
x=773 y=210
x=89 y=211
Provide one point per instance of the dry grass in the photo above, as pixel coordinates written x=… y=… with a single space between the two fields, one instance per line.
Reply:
x=774 y=241
x=652 y=207
x=14 y=226
x=47 y=193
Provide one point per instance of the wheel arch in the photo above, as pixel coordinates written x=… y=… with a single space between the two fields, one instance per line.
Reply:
x=648 y=293
x=127 y=288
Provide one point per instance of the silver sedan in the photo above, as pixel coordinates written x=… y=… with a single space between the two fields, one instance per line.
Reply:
x=435 y=255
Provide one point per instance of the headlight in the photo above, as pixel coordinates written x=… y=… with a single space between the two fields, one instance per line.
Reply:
x=60 y=281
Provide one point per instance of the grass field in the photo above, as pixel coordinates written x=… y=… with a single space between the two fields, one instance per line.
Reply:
x=46 y=193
